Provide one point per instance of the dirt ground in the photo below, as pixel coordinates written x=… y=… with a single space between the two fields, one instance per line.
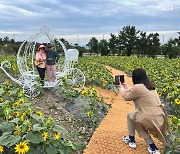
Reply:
x=107 y=138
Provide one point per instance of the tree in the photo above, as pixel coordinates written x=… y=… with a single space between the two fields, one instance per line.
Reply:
x=8 y=45
x=177 y=41
x=153 y=44
x=120 y=44
x=58 y=45
x=103 y=47
x=172 y=48
x=93 y=45
x=128 y=39
x=12 y=41
x=113 y=44
x=80 y=49
x=142 y=44
x=66 y=43
x=1 y=40
x=6 y=40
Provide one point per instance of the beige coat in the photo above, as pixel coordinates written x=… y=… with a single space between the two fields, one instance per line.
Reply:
x=149 y=116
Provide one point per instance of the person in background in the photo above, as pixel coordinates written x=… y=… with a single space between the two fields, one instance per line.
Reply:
x=51 y=60
x=149 y=116
x=41 y=62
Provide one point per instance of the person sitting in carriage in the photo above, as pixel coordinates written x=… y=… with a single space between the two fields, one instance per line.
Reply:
x=40 y=62
x=51 y=60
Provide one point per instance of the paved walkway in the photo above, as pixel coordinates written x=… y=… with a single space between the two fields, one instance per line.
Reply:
x=107 y=138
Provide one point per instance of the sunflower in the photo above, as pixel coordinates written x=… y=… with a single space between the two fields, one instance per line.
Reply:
x=14 y=67
x=16 y=113
x=89 y=113
x=44 y=135
x=29 y=128
x=39 y=113
x=21 y=100
x=57 y=136
x=22 y=148
x=1 y=99
x=177 y=101
x=159 y=93
x=22 y=117
x=91 y=94
x=17 y=130
x=84 y=92
x=173 y=120
x=17 y=104
x=10 y=116
x=1 y=149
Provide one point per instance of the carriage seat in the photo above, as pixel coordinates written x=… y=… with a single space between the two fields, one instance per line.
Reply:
x=71 y=56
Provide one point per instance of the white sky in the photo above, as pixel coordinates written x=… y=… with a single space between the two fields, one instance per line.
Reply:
x=79 y=20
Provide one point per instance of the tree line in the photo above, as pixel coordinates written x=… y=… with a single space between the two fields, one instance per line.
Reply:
x=9 y=46
x=128 y=41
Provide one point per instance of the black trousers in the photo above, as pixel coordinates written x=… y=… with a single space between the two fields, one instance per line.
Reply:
x=41 y=72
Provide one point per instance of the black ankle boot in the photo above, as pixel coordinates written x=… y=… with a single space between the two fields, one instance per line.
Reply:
x=42 y=83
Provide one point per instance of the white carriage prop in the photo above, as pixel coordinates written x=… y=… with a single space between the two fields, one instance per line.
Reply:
x=28 y=74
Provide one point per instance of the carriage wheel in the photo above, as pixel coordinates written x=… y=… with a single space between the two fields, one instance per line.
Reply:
x=31 y=90
x=75 y=78
x=21 y=80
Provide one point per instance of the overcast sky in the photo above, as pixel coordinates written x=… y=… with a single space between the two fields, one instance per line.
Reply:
x=79 y=20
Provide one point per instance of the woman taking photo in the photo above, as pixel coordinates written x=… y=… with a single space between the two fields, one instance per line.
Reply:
x=41 y=62
x=148 y=116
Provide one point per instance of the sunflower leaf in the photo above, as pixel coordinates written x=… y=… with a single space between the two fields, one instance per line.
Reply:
x=34 y=137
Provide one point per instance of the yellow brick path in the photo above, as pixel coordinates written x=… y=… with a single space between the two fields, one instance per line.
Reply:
x=107 y=138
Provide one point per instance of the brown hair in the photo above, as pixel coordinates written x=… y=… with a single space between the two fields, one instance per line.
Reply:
x=139 y=76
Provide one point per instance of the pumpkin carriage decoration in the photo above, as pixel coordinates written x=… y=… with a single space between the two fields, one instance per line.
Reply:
x=28 y=79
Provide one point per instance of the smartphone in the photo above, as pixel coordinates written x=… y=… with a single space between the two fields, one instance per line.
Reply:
x=119 y=79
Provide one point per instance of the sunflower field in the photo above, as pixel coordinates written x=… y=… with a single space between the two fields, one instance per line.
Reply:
x=165 y=73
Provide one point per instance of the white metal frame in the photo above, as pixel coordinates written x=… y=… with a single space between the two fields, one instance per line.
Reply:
x=28 y=75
